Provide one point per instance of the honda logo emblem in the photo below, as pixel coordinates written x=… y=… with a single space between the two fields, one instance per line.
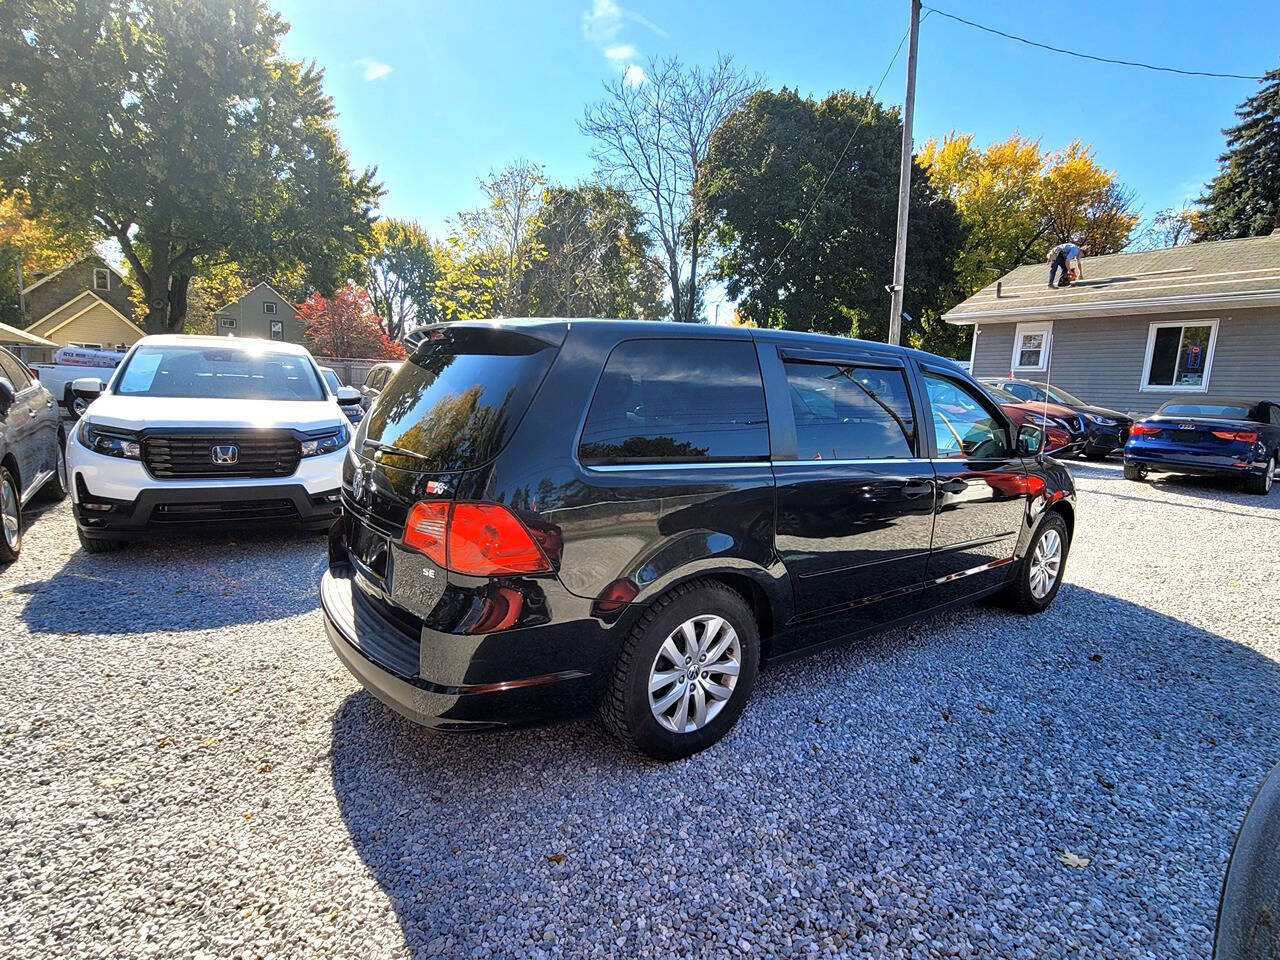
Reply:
x=225 y=453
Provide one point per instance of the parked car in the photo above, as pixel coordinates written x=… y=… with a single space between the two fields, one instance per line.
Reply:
x=348 y=397
x=546 y=516
x=205 y=430
x=1055 y=420
x=375 y=380
x=32 y=459
x=1224 y=438
x=1104 y=430
x=70 y=364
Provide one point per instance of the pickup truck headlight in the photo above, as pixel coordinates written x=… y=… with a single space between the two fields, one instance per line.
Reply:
x=109 y=441
x=328 y=441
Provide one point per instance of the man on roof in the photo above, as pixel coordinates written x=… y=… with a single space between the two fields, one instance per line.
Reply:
x=1059 y=260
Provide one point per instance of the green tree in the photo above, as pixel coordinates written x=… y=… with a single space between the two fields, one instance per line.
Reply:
x=595 y=257
x=1243 y=200
x=176 y=127
x=500 y=235
x=28 y=245
x=781 y=156
x=402 y=276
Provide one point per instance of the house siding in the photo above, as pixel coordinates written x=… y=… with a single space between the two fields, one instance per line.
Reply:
x=97 y=324
x=72 y=282
x=1101 y=360
x=251 y=321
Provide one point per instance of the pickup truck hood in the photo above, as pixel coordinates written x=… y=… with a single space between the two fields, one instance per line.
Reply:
x=135 y=413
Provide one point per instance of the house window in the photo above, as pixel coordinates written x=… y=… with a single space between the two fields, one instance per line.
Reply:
x=277 y=329
x=269 y=307
x=1179 y=356
x=1031 y=345
x=101 y=278
x=227 y=323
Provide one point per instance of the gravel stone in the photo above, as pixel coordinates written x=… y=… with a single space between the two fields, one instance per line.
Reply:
x=189 y=772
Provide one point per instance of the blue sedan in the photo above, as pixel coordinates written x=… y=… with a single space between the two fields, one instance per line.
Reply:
x=1223 y=438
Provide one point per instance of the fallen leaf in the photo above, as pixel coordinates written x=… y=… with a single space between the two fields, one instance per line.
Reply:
x=556 y=858
x=264 y=766
x=1103 y=781
x=111 y=782
x=166 y=742
x=1095 y=657
x=236 y=689
x=915 y=758
x=946 y=715
x=210 y=741
x=1069 y=859
x=983 y=708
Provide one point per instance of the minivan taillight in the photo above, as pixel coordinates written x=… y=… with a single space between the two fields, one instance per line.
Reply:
x=474 y=539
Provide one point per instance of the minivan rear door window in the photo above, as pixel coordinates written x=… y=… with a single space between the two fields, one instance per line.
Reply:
x=677 y=401
x=456 y=401
x=850 y=412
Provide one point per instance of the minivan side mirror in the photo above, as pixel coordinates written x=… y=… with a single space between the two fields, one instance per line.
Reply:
x=1030 y=440
x=7 y=394
x=87 y=388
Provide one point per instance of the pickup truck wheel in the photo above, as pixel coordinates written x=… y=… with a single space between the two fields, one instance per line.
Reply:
x=10 y=517
x=1040 y=574
x=94 y=545
x=685 y=671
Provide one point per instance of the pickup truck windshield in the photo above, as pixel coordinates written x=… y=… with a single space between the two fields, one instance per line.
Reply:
x=218 y=373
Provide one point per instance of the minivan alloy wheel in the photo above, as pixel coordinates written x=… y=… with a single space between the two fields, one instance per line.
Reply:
x=10 y=512
x=694 y=674
x=1046 y=562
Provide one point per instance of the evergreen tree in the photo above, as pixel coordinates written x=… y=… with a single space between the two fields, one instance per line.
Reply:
x=1243 y=200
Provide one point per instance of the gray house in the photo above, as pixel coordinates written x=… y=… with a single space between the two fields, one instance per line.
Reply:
x=1141 y=328
x=262 y=312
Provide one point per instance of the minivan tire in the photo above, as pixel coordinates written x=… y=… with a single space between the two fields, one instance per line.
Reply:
x=55 y=488
x=1020 y=596
x=626 y=710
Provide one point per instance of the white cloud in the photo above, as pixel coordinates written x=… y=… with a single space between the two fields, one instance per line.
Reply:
x=623 y=52
x=373 y=70
x=602 y=26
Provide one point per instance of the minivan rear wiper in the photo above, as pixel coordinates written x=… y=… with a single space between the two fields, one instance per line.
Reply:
x=389 y=448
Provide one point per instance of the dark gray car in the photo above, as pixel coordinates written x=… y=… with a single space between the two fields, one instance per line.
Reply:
x=32 y=449
x=375 y=380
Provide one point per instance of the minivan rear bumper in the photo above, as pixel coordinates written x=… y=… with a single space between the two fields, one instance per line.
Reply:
x=387 y=659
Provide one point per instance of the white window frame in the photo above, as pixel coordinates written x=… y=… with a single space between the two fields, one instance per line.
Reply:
x=272 y=329
x=1043 y=326
x=106 y=275
x=226 y=323
x=274 y=308
x=1211 y=323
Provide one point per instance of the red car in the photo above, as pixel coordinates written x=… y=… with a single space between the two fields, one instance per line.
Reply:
x=1050 y=417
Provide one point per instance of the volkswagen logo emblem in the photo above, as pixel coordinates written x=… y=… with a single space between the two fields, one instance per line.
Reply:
x=357 y=481
x=225 y=453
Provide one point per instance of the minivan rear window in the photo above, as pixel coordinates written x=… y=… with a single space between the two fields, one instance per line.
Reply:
x=456 y=401
x=677 y=401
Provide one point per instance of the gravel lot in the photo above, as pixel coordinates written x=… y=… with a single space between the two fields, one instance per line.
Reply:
x=188 y=772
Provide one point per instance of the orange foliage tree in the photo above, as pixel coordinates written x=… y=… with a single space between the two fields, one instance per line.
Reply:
x=346 y=326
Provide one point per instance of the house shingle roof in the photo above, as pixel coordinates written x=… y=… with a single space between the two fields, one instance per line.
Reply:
x=1187 y=277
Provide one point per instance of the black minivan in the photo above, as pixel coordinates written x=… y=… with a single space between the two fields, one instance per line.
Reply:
x=543 y=517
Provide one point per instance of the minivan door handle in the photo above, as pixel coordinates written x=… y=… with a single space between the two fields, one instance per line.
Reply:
x=955 y=485
x=917 y=488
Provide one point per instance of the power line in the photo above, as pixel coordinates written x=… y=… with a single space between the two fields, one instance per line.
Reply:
x=839 y=160
x=1089 y=56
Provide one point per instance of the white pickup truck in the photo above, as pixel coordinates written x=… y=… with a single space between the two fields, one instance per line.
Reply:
x=72 y=363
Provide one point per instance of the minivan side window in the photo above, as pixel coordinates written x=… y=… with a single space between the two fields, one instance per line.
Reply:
x=850 y=412
x=962 y=425
x=677 y=401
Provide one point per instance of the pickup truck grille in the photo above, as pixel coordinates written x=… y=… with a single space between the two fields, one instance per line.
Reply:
x=252 y=453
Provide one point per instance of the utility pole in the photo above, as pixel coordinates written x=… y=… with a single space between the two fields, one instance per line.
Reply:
x=904 y=183
x=22 y=301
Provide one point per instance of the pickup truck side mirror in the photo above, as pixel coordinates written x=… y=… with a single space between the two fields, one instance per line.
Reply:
x=1030 y=440
x=87 y=388
x=7 y=394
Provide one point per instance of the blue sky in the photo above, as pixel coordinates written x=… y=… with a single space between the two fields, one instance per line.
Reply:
x=438 y=94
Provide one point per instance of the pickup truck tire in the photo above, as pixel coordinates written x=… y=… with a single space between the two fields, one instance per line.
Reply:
x=94 y=545
x=74 y=406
